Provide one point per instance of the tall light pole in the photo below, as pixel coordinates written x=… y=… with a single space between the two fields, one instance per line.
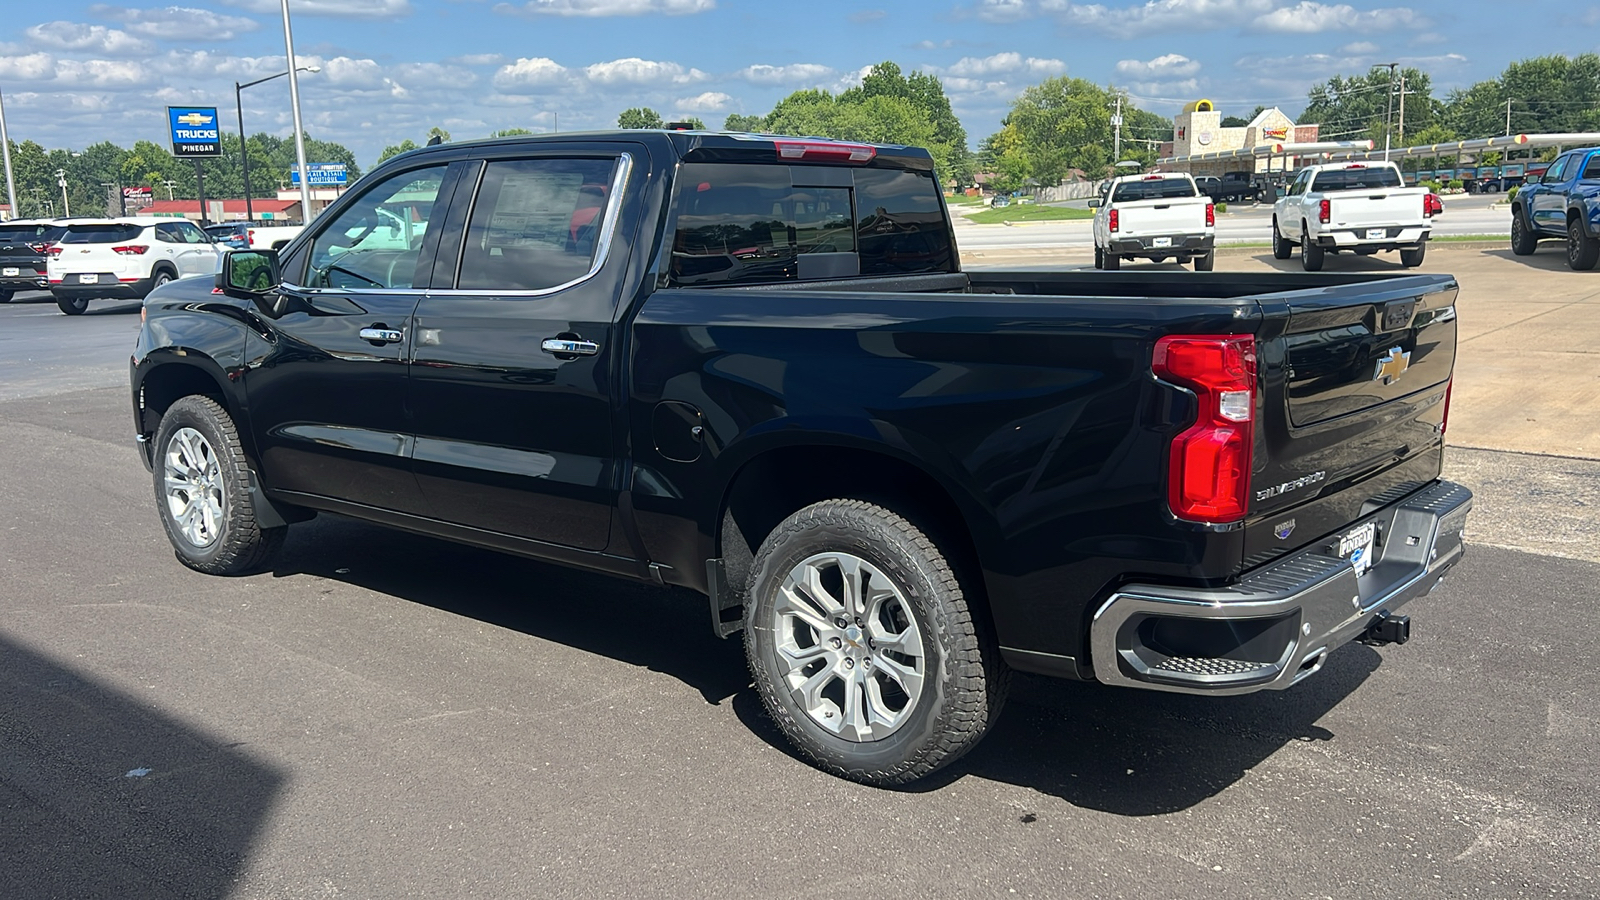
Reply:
x=299 y=130
x=61 y=179
x=1387 y=116
x=11 y=180
x=244 y=149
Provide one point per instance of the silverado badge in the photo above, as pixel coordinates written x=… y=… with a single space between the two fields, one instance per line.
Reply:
x=1392 y=365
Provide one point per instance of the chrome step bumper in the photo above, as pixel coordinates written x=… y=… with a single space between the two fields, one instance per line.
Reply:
x=1277 y=625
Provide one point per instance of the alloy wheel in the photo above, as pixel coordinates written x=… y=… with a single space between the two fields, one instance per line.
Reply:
x=849 y=647
x=194 y=491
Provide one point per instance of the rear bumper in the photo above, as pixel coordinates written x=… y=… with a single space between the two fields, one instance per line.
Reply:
x=27 y=281
x=1277 y=625
x=1394 y=237
x=107 y=288
x=1144 y=245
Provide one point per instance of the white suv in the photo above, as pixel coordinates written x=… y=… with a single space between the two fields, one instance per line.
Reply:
x=125 y=259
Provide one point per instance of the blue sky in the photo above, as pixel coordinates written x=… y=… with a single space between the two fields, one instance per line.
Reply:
x=74 y=72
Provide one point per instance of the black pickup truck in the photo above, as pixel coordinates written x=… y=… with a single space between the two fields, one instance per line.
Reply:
x=753 y=367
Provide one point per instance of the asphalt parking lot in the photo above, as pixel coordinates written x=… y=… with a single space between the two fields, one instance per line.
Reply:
x=385 y=715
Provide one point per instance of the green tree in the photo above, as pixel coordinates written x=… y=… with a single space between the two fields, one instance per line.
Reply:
x=1360 y=106
x=1064 y=123
x=405 y=146
x=925 y=94
x=694 y=122
x=440 y=133
x=736 y=122
x=640 y=117
x=509 y=132
x=1548 y=94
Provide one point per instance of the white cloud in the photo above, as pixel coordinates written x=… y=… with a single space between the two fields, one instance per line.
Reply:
x=596 y=8
x=345 y=9
x=88 y=39
x=1185 y=87
x=970 y=66
x=177 y=23
x=710 y=101
x=1004 y=10
x=32 y=67
x=1159 y=15
x=477 y=59
x=1310 y=17
x=1360 y=48
x=634 y=70
x=530 y=73
x=1172 y=65
x=796 y=73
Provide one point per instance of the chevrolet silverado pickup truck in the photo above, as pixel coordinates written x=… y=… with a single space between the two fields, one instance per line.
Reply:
x=753 y=367
x=1355 y=207
x=1562 y=202
x=1158 y=216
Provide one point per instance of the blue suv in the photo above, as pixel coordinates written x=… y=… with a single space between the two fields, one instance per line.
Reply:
x=1564 y=202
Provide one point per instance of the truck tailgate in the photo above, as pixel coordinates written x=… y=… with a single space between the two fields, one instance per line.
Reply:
x=1353 y=418
x=1378 y=208
x=1178 y=215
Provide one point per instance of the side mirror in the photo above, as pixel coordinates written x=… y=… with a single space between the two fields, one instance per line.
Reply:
x=248 y=274
x=1094 y=203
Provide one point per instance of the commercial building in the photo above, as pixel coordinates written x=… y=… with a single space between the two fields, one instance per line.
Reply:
x=284 y=211
x=1197 y=131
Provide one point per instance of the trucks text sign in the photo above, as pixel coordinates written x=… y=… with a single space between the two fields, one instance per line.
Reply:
x=194 y=131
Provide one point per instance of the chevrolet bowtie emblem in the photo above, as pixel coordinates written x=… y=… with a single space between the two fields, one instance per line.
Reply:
x=195 y=119
x=1392 y=365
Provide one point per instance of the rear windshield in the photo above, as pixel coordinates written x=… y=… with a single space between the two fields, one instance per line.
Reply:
x=101 y=233
x=40 y=232
x=223 y=230
x=1356 y=179
x=1154 y=189
x=750 y=223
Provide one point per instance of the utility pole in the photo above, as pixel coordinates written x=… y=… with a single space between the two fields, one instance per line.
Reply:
x=170 y=185
x=1388 y=115
x=1508 y=115
x=61 y=179
x=299 y=129
x=1402 y=128
x=1116 y=130
x=11 y=180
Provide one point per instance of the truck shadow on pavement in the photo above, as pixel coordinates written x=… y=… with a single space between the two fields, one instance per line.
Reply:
x=1551 y=257
x=102 y=796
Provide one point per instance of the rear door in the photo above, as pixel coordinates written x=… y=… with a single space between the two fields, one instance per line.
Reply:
x=516 y=352
x=328 y=398
x=197 y=255
x=1355 y=380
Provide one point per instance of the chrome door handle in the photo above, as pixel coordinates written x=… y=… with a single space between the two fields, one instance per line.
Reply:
x=564 y=346
x=382 y=335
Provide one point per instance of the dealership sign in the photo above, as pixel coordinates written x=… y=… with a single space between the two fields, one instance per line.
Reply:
x=322 y=174
x=194 y=132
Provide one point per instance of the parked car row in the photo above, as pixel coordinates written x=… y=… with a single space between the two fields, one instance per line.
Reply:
x=83 y=258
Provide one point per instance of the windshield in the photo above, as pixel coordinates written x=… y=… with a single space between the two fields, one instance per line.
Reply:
x=1356 y=179
x=35 y=233
x=1152 y=189
x=100 y=233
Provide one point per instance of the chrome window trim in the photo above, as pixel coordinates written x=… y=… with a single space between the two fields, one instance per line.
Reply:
x=608 y=227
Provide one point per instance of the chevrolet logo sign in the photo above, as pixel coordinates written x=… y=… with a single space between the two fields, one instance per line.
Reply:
x=1391 y=366
x=195 y=119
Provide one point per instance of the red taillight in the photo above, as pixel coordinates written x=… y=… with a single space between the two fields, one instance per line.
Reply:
x=55 y=250
x=130 y=250
x=1114 y=220
x=1431 y=205
x=1208 y=470
x=1211 y=216
x=831 y=151
x=39 y=246
x=1444 y=422
x=250 y=236
x=1325 y=211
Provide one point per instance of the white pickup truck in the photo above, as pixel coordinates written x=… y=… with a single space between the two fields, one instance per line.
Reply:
x=1357 y=207
x=1158 y=216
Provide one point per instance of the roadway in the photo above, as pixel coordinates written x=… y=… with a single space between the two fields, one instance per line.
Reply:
x=384 y=715
x=1465 y=214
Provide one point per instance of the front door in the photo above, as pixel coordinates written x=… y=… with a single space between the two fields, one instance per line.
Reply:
x=513 y=432
x=197 y=255
x=328 y=398
x=1549 y=206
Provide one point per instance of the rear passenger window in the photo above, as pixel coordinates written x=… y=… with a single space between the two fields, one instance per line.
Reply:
x=1592 y=170
x=535 y=224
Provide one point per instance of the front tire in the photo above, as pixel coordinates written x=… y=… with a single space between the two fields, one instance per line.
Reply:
x=73 y=306
x=1413 y=258
x=1310 y=254
x=202 y=486
x=1523 y=240
x=1583 y=251
x=1282 y=248
x=864 y=647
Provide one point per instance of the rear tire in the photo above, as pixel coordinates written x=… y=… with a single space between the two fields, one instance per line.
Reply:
x=1206 y=263
x=73 y=306
x=1282 y=248
x=202 y=487
x=1099 y=258
x=1523 y=240
x=1583 y=251
x=1112 y=261
x=908 y=683
x=5 y=296
x=1310 y=254
x=161 y=277
x=1413 y=258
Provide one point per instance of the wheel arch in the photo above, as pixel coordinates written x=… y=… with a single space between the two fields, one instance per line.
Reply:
x=164 y=265
x=169 y=374
x=769 y=484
